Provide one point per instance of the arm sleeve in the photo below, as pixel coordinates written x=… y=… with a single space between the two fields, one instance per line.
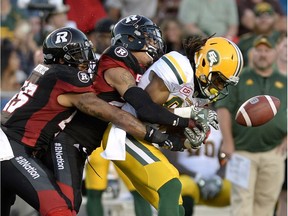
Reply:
x=151 y=112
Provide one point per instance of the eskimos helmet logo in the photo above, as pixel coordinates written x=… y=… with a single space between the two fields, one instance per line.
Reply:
x=62 y=37
x=213 y=57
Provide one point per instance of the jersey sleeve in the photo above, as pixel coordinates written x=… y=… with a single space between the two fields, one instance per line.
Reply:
x=71 y=80
x=174 y=69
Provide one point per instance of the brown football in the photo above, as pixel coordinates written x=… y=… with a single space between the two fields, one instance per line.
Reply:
x=257 y=110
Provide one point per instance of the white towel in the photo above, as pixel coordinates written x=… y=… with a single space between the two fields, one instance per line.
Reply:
x=115 y=148
x=6 y=152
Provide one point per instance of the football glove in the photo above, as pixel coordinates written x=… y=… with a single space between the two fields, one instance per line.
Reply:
x=209 y=188
x=204 y=117
x=164 y=140
x=195 y=137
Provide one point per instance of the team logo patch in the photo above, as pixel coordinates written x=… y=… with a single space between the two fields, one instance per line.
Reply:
x=61 y=38
x=121 y=52
x=213 y=57
x=83 y=77
x=186 y=91
x=131 y=20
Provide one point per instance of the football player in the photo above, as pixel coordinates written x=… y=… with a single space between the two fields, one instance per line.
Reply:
x=46 y=102
x=95 y=185
x=180 y=82
x=80 y=132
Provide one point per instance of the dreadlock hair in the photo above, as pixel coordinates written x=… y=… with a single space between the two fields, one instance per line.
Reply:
x=192 y=44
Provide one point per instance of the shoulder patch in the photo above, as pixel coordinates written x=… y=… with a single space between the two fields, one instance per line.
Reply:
x=121 y=52
x=83 y=77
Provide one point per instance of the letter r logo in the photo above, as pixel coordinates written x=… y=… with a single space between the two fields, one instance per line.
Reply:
x=61 y=37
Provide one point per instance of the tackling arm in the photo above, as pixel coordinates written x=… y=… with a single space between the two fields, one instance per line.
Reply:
x=90 y=104
x=147 y=110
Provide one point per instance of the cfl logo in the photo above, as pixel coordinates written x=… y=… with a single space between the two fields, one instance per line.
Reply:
x=138 y=77
x=186 y=91
x=61 y=37
x=213 y=57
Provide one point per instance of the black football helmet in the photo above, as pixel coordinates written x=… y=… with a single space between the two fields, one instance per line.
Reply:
x=69 y=44
x=135 y=31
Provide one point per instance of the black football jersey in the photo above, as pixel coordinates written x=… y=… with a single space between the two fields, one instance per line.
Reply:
x=33 y=116
x=87 y=130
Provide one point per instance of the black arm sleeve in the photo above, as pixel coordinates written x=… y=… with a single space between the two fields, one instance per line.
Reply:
x=151 y=112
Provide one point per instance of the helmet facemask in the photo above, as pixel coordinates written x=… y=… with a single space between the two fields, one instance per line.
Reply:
x=215 y=85
x=79 y=54
x=154 y=42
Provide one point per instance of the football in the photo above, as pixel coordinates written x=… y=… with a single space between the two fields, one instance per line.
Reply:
x=257 y=110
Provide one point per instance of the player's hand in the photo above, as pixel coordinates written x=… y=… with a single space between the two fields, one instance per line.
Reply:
x=195 y=137
x=204 y=117
x=210 y=188
x=167 y=141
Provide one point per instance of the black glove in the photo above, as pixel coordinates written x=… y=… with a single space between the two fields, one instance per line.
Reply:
x=167 y=141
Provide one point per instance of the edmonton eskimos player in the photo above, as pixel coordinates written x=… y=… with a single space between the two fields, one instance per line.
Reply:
x=211 y=65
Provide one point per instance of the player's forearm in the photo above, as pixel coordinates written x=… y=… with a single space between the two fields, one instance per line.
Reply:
x=148 y=111
x=94 y=106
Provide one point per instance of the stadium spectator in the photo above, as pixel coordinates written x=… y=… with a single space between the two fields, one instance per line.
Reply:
x=167 y=9
x=10 y=16
x=281 y=47
x=10 y=66
x=265 y=21
x=86 y=13
x=173 y=34
x=118 y=9
x=247 y=15
x=100 y=36
x=25 y=46
x=281 y=64
x=58 y=18
x=264 y=146
x=207 y=17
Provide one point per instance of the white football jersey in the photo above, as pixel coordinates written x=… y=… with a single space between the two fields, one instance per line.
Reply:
x=204 y=160
x=176 y=72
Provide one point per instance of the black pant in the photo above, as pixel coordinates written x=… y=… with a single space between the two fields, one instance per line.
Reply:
x=45 y=182
x=67 y=162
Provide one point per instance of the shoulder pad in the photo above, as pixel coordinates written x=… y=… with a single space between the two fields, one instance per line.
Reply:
x=120 y=53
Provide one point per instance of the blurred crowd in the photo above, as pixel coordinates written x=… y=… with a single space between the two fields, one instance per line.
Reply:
x=25 y=23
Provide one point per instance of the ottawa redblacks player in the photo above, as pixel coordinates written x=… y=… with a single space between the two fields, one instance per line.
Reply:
x=44 y=105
